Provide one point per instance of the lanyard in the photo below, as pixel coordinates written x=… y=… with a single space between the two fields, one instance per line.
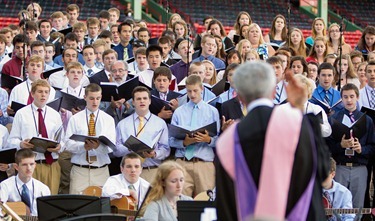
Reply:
x=79 y=94
x=44 y=118
x=33 y=198
x=135 y=131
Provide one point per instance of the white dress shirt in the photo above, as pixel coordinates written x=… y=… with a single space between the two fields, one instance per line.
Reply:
x=281 y=90
x=4 y=134
x=78 y=124
x=25 y=126
x=60 y=80
x=11 y=190
x=316 y=109
x=117 y=184
x=365 y=97
x=147 y=75
x=94 y=69
x=20 y=93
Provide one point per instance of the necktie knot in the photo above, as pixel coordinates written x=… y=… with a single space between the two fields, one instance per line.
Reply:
x=92 y=115
x=131 y=187
x=40 y=110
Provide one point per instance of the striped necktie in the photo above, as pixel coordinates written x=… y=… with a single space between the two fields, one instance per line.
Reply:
x=372 y=101
x=126 y=56
x=326 y=97
x=278 y=94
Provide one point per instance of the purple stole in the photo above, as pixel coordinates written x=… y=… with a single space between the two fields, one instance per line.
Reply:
x=250 y=201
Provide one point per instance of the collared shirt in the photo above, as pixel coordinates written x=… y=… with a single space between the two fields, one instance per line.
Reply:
x=341 y=198
x=309 y=107
x=78 y=91
x=153 y=125
x=11 y=190
x=53 y=64
x=365 y=96
x=219 y=64
x=94 y=69
x=58 y=60
x=25 y=126
x=20 y=93
x=104 y=126
x=333 y=94
x=120 y=51
x=13 y=67
x=367 y=141
x=118 y=184
x=147 y=75
x=259 y=102
x=182 y=117
x=226 y=95
x=281 y=90
x=60 y=80
x=180 y=70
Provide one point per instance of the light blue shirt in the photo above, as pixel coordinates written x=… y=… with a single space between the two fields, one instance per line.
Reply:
x=152 y=126
x=342 y=199
x=226 y=95
x=182 y=117
x=219 y=64
x=3 y=106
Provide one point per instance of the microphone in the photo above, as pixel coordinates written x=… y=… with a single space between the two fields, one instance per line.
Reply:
x=342 y=24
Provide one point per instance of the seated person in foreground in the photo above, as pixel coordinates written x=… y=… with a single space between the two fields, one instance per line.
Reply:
x=24 y=187
x=128 y=183
x=168 y=184
x=336 y=195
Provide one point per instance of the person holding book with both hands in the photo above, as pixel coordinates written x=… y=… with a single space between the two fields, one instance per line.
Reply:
x=351 y=149
x=145 y=126
x=195 y=153
x=39 y=120
x=89 y=158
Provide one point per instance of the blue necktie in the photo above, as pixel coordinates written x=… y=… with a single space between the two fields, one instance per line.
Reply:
x=90 y=72
x=278 y=94
x=26 y=195
x=189 y=152
x=326 y=97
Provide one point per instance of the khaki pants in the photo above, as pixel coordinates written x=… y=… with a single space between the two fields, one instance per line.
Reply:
x=81 y=178
x=148 y=174
x=200 y=176
x=66 y=166
x=48 y=174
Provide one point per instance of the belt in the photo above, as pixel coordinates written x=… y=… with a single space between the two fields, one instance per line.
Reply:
x=44 y=161
x=194 y=159
x=350 y=164
x=151 y=167
x=89 y=166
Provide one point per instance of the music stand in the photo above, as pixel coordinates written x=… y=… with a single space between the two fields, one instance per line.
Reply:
x=191 y=210
x=63 y=206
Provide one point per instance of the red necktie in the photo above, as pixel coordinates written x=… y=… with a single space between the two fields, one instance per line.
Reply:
x=30 y=99
x=43 y=132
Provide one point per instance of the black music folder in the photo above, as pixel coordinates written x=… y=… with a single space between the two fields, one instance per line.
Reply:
x=41 y=144
x=102 y=139
x=48 y=73
x=324 y=105
x=10 y=82
x=7 y=156
x=70 y=101
x=180 y=133
x=138 y=146
x=110 y=89
x=356 y=129
x=369 y=112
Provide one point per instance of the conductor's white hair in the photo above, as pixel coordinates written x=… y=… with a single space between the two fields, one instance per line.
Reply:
x=254 y=80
